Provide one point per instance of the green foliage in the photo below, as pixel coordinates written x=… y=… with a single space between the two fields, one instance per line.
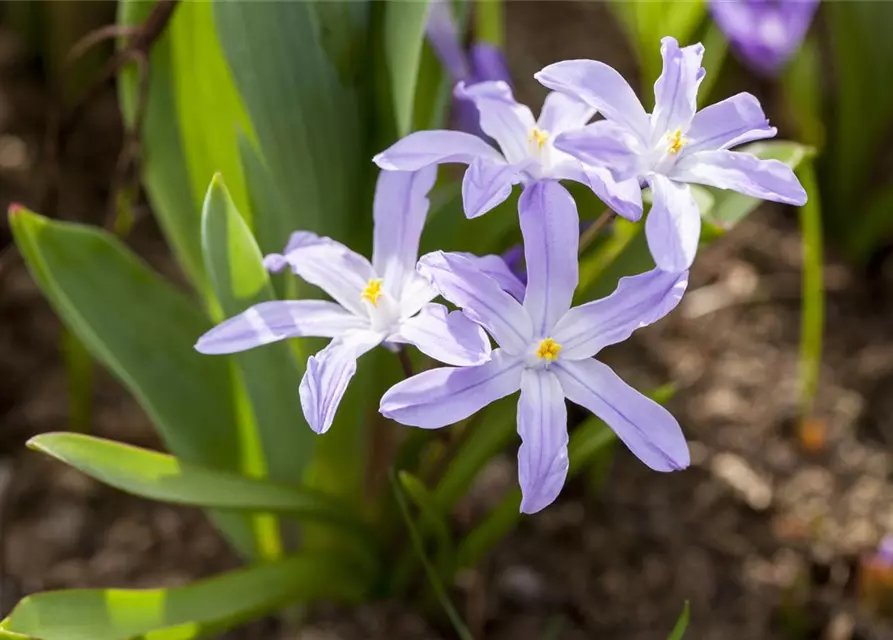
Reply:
x=813 y=308
x=681 y=624
x=404 y=25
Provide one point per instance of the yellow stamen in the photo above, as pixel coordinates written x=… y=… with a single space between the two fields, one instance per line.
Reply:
x=539 y=136
x=372 y=292
x=548 y=350
x=676 y=142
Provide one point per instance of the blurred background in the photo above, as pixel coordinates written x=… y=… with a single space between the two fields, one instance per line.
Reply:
x=774 y=533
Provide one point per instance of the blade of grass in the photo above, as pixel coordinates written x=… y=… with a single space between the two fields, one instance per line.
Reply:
x=812 y=319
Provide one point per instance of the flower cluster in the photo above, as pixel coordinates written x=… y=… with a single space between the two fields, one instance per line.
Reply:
x=544 y=347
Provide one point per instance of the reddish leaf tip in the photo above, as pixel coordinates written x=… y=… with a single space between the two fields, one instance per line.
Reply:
x=15 y=208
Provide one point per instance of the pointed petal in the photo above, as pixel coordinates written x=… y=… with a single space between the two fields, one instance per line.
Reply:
x=424 y=148
x=624 y=197
x=562 y=112
x=447 y=337
x=480 y=297
x=497 y=268
x=400 y=207
x=728 y=123
x=328 y=374
x=550 y=227
x=502 y=117
x=744 y=173
x=676 y=90
x=332 y=267
x=486 y=185
x=603 y=144
x=673 y=227
x=637 y=301
x=277 y=320
x=417 y=292
x=602 y=88
x=542 y=425
x=649 y=430
x=438 y=397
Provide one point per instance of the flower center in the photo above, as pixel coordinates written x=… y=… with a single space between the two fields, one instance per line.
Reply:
x=538 y=137
x=675 y=142
x=372 y=292
x=548 y=350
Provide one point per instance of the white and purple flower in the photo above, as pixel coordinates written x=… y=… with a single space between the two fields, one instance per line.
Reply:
x=673 y=146
x=546 y=350
x=386 y=301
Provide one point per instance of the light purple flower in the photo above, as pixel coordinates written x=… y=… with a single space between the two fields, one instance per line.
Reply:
x=764 y=33
x=386 y=301
x=672 y=146
x=546 y=350
x=527 y=151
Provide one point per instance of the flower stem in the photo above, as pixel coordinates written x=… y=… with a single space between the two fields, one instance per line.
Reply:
x=405 y=362
x=593 y=230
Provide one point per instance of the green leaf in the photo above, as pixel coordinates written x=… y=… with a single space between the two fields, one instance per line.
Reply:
x=308 y=117
x=433 y=514
x=281 y=443
x=181 y=613
x=271 y=221
x=142 y=330
x=681 y=624
x=404 y=32
x=803 y=92
x=813 y=308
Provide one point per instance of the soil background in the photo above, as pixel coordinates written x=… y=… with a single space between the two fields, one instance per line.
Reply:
x=765 y=534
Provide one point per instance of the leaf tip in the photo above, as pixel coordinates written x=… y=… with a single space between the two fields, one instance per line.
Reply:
x=15 y=209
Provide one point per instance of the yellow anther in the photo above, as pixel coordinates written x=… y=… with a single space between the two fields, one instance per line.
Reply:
x=538 y=136
x=372 y=292
x=548 y=350
x=676 y=142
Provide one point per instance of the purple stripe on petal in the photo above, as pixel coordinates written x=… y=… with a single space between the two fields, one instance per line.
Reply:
x=480 y=297
x=637 y=301
x=438 y=397
x=399 y=208
x=744 y=173
x=728 y=123
x=423 y=148
x=550 y=227
x=649 y=430
x=277 y=320
x=328 y=374
x=542 y=425
x=673 y=226
x=449 y=337
x=676 y=90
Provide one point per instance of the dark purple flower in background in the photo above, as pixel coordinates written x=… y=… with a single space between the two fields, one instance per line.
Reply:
x=483 y=61
x=764 y=33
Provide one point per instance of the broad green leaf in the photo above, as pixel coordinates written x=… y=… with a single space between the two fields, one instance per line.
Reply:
x=271 y=221
x=275 y=429
x=164 y=166
x=404 y=32
x=142 y=330
x=813 y=307
x=297 y=68
x=181 y=613
x=681 y=624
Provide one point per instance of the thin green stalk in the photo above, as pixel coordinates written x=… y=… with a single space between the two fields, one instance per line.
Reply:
x=812 y=318
x=490 y=22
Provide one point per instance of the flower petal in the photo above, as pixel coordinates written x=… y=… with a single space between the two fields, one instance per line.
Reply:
x=637 y=301
x=602 y=88
x=624 y=197
x=603 y=144
x=676 y=90
x=417 y=292
x=450 y=338
x=400 y=207
x=277 y=320
x=487 y=63
x=673 y=227
x=542 y=425
x=744 y=173
x=562 y=112
x=502 y=117
x=486 y=185
x=332 y=267
x=648 y=429
x=438 y=397
x=480 y=297
x=443 y=36
x=423 y=148
x=328 y=374
x=497 y=268
x=726 y=124
x=550 y=228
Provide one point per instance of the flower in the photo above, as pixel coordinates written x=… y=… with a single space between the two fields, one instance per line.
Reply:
x=764 y=33
x=545 y=350
x=673 y=146
x=528 y=154
x=382 y=302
